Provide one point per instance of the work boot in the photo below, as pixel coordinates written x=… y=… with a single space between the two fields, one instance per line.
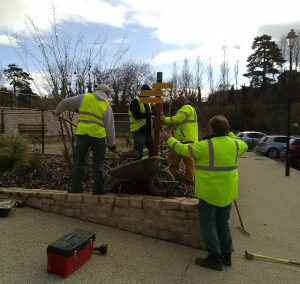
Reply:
x=226 y=258
x=213 y=261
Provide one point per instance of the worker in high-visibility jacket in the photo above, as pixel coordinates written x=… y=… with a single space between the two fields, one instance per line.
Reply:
x=141 y=125
x=186 y=131
x=95 y=124
x=216 y=185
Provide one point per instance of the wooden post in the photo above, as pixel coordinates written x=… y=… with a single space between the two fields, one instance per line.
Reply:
x=43 y=133
x=2 y=121
x=157 y=120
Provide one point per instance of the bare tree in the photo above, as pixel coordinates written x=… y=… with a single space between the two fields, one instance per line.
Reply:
x=210 y=77
x=186 y=77
x=127 y=79
x=224 y=69
x=175 y=80
x=236 y=69
x=64 y=63
x=199 y=71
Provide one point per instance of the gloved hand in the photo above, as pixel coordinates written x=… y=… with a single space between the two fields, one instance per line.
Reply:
x=165 y=135
x=112 y=148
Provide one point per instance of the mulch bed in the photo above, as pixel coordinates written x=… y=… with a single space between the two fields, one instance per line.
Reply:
x=55 y=173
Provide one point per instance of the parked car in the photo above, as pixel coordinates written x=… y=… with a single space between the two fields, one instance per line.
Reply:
x=251 y=137
x=294 y=153
x=271 y=145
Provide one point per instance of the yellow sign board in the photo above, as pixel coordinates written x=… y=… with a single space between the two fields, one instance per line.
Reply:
x=147 y=100
x=159 y=86
x=151 y=93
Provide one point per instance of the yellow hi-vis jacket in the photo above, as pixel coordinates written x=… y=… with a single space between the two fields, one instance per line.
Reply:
x=90 y=118
x=136 y=124
x=186 y=124
x=216 y=173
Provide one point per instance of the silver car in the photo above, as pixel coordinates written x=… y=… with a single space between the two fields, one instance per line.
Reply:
x=251 y=137
x=271 y=145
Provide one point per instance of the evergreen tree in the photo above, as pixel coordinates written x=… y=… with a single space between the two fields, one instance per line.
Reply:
x=19 y=79
x=262 y=64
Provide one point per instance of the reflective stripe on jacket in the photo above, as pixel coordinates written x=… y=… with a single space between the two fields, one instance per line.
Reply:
x=136 y=124
x=185 y=123
x=216 y=173
x=90 y=118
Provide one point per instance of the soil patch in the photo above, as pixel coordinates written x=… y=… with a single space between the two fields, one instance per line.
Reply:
x=55 y=173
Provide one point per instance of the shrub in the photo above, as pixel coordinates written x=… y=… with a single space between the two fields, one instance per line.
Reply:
x=13 y=149
x=35 y=160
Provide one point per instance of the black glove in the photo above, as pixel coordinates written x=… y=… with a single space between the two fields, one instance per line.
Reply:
x=112 y=148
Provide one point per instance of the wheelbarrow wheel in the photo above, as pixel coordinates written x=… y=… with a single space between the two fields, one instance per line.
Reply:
x=162 y=183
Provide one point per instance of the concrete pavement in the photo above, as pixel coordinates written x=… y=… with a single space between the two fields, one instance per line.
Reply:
x=269 y=205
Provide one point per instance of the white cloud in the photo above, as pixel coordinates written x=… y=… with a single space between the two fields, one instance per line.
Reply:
x=173 y=22
x=5 y=40
x=198 y=21
x=196 y=27
x=39 y=85
x=213 y=53
x=14 y=12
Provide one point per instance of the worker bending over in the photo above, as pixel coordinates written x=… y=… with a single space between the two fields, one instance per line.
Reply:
x=95 y=124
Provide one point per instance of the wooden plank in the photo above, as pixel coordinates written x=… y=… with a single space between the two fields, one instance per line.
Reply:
x=151 y=93
x=157 y=100
x=31 y=127
x=162 y=86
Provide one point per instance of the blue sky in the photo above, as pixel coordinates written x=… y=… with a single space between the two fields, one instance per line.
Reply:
x=167 y=29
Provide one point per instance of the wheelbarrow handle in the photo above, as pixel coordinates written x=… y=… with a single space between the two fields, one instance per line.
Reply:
x=93 y=166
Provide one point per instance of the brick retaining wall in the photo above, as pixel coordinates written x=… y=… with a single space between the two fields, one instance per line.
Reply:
x=168 y=219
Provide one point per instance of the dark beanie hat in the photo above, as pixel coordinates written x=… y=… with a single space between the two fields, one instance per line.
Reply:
x=145 y=87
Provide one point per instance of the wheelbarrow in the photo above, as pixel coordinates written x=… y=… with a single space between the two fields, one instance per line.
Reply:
x=159 y=181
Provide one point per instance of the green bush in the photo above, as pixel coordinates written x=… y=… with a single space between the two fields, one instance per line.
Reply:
x=13 y=149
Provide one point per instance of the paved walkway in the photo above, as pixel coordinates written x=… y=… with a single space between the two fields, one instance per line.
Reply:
x=269 y=205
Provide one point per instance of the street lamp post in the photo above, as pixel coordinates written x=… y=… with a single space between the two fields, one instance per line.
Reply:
x=291 y=37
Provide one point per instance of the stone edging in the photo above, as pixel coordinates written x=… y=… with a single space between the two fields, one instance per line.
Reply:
x=170 y=219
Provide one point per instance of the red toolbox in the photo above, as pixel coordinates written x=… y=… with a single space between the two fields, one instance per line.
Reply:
x=70 y=252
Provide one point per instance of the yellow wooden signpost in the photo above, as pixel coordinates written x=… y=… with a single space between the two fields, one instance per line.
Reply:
x=151 y=96
x=155 y=96
x=159 y=86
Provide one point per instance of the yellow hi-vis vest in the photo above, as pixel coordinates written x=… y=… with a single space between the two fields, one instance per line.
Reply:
x=216 y=173
x=186 y=124
x=90 y=118
x=136 y=124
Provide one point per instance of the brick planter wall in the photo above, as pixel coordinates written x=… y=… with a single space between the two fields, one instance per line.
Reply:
x=168 y=219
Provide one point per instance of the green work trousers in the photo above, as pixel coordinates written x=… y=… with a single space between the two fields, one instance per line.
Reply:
x=142 y=140
x=215 y=227
x=97 y=145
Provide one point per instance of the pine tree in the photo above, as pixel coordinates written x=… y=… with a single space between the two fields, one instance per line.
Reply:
x=19 y=79
x=263 y=63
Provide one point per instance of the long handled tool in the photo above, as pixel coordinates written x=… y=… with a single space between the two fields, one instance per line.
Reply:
x=242 y=225
x=250 y=256
x=70 y=122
